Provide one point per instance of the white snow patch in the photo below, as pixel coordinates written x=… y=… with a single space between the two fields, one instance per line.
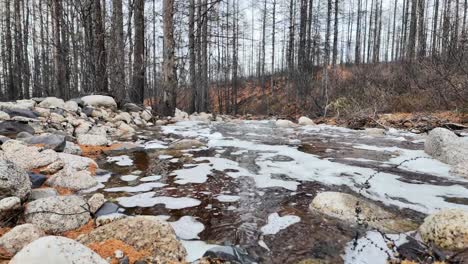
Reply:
x=122 y=161
x=151 y=178
x=196 y=249
x=128 y=178
x=187 y=227
x=277 y=223
x=145 y=187
x=228 y=198
x=148 y=200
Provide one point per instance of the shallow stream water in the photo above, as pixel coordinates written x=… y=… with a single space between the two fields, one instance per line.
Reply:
x=251 y=186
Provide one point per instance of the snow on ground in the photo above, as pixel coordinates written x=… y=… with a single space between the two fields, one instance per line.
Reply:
x=128 y=178
x=277 y=223
x=150 y=178
x=228 y=198
x=371 y=249
x=144 y=187
x=196 y=249
x=122 y=160
x=187 y=227
x=148 y=200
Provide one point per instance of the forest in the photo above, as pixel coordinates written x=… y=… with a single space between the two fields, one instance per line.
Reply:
x=315 y=57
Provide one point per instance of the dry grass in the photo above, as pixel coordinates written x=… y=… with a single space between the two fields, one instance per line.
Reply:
x=106 y=249
x=73 y=234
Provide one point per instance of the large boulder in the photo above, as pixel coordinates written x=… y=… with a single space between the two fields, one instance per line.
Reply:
x=71 y=106
x=444 y=145
x=48 y=141
x=22 y=112
x=131 y=107
x=82 y=128
x=144 y=233
x=284 y=123
x=344 y=206
x=447 y=229
x=58 y=214
x=72 y=148
x=56 y=250
x=72 y=180
x=30 y=157
x=41 y=193
x=99 y=101
x=180 y=116
x=461 y=169
x=4 y=116
x=92 y=140
x=77 y=163
x=14 y=181
x=305 y=121
x=20 y=236
x=123 y=116
x=11 y=128
x=52 y=102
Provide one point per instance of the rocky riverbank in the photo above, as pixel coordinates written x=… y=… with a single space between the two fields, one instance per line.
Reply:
x=49 y=211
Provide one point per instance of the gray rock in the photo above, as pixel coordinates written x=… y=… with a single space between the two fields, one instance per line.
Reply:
x=3 y=139
x=82 y=128
x=186 y=144
x=73 y=180
x=37 y=180
x=230 y=254
x=71 y=106
x=52 y=102
x=146 y=115
x=56 y=250
x=58 y=214
x=37 y=194
x=343 y=206
x=11 y=128
x=96 y=201
x=22 y=112
x=56 y=118
x=143 y=233
x=107 y=208
x=10 y=210
x=48 y=141
x=124 y=116
x=461 y=169
x=92 y=140
x=78 y=101
x=444 y=145
x=29 y=157
x=305 y=121
x=99 y=101
x=88 y=111
x=22 y=135
x=14 y=181
x=4 y=116
x=131 y=107
x=20 y=236
x=72 y=148
x=77 y=163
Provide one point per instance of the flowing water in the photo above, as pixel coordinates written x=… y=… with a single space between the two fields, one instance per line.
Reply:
x=251 y=186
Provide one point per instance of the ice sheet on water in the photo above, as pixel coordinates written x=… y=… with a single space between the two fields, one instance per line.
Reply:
x=196 y=249
x=144 y=187
x=122 y=160
x=155 y=144
x=187 y=227
x=227 y=198
x=148 y=200
x=372 y=248
x=277 y=223
x=128 y=178
x=150 y=178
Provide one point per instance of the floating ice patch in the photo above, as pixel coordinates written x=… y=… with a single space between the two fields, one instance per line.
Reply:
x=277 y=223
x=151 y=178
x=187 y=227
x=372 y=248
x=196 y=249
x=197 y=174
x=148 y=200
x=103 y=178
x=155 y=144
x=122 y=161
x=129 y=178
x=145 y=187
x=228 y=198
x=165 y=157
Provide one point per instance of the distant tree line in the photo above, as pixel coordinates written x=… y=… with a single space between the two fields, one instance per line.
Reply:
x=159 y=51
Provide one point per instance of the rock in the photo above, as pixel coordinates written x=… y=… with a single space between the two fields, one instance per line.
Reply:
x=87 y=111
x=284 y=123
x=72 y=148
x=146 y=233
x=447 y=229
x=56 y=250
x=107 y=208
x=99 y=101
x=96 y=201
x=72 y=179
x=56 y=118
x=58 y=214
x=109 y=218
x=26 y=103
x=78 y=101
x=180 y=116
x=37 y=194
x=4 y=116
x=444 y=145
x=77 y=163
x=37 y=180
x=124 y=116
x=92 y=140
x=375 y=132
x=3 y=139
x=131 y=107
x=22 y=135
x=146 y=115
x=186 y=144
x=10 y=210
x=305 y=121
x=126 y=129
x=161 y=122
x=11 y=128
x=343 y=206
x=461 y=169
x=52 y=102
x=48 y=141
x=14 y=181
x=82 y=128
x=71 y=106
x=20 y=236
x=43 y=112
x=201 y=117
x=229 y=254
x=29 y=157
x=22 y=112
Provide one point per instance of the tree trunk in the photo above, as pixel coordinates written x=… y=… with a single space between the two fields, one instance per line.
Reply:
x=168 y=99
x=137 y=93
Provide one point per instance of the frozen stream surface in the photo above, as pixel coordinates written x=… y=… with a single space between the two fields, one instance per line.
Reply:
x=252 y=183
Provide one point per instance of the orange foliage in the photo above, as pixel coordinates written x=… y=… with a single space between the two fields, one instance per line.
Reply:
x=106 y=249
x=73 y=234
x=96 y=151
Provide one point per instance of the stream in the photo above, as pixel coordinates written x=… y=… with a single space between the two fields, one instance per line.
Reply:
x=251 y=184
